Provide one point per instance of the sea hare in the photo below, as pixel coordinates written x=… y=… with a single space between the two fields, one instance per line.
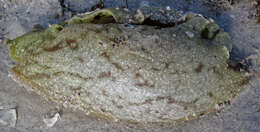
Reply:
x=130 y=66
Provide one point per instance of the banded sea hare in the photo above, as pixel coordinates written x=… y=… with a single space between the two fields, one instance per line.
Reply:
x=138 y=71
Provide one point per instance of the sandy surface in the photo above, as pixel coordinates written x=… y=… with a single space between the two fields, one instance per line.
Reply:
x=18 y=17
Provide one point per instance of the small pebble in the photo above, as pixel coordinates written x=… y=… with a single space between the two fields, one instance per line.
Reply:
x=217 y=107
x=139 y=16
x=8 y=117
x=189 y=34
x=200 y=15
x=211 y=20
x=5 y=6
x=168 y=8
x=125 y=9
x=50 y=120
x=232 y=16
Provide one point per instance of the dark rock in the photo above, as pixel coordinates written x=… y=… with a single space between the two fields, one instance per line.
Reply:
x=79 y=6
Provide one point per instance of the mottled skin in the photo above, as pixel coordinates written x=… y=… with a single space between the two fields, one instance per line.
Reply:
x=129 y=72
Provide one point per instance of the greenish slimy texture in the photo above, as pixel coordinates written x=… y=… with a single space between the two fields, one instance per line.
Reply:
x=31 y=43
x=134 y=73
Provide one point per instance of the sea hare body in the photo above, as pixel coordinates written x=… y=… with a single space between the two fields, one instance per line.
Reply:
x=129 y=72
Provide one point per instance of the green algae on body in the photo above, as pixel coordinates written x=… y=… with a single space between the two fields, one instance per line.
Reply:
x=96 y=63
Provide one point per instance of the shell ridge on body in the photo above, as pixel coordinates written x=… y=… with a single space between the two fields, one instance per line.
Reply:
x=130 y=72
